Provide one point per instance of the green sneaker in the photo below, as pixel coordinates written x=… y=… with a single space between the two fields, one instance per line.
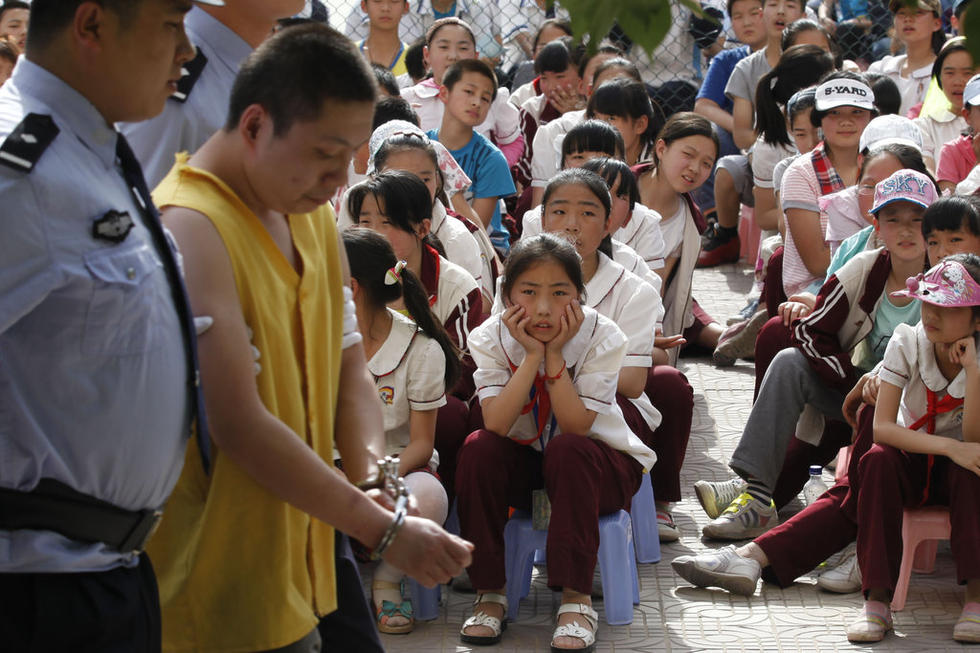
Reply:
x=744 y=519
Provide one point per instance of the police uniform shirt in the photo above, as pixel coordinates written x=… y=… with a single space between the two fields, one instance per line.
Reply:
x=93 y=376
x=593 y=358
x=199 y=107
x=409 y=372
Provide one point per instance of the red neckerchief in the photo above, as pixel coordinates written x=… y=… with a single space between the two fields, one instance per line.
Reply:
x=539 y=402
x=827 y=177
x=934 y=408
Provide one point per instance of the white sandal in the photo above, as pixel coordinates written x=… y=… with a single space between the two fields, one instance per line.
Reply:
x=480 y=618
x=573 y=629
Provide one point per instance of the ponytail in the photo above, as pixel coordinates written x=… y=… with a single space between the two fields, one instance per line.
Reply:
x=799 y=67
x=371 y=258
x=417 y=303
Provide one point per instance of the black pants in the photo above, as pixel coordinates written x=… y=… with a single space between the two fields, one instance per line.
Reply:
x=351 y=627
x=102 y=612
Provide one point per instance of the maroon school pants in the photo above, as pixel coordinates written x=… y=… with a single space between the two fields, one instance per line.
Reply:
x=672 y=395
x=584 y=478
x=825 y=526
x=452 y=427
x=892 y=480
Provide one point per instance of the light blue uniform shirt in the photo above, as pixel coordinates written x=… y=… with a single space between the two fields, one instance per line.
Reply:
x=184 y=126
x=93 y=372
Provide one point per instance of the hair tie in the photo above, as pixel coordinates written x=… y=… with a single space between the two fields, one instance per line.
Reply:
x=394 y=275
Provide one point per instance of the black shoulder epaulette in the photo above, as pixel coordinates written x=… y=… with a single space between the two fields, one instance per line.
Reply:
x=25 y=145
x=189 y=75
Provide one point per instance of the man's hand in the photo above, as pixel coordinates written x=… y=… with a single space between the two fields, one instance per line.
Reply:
x=427 y=553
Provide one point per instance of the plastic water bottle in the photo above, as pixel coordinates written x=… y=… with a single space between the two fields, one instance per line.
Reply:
x=815 y=486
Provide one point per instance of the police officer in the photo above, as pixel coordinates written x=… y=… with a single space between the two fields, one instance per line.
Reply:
x=97 y=379
x=223 y=36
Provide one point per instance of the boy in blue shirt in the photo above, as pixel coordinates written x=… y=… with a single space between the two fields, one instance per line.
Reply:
x=468 y=89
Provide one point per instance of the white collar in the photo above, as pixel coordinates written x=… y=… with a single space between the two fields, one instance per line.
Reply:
x=607 y=274
x=573 y=352
x=929 y=371
x=395 y=347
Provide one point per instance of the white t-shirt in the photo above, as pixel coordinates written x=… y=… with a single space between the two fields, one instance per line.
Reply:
x=409 y=372
x=593 y=358
x=912 y=88
x=936 y=132
x=672 y=229
x=910 y=364
x=765 y=156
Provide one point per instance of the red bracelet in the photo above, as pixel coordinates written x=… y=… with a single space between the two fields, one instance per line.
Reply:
x=549 y=379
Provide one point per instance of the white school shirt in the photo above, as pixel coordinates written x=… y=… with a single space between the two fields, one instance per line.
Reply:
x=453 y=290
x=502 y=124
x=460 y=245
x=409 y=372
x=593 y=358
x=912 y=89
x=641 y=234
x=546 y=148
x=938 y=131
x=522 y=94
x=910 y=364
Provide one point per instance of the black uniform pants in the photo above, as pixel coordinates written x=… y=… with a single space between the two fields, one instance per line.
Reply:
x=115 y=611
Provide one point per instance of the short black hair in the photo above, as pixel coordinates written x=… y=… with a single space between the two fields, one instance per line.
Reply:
x=388 y=108
x=955 y=44
x=542 y=248
x=48 y=17
x=563 y=25
x=604 y=48
x=385 y=79
x=613 y=172
x=593 y=136
x=558 y=56
x=952 y=213
x=888 y=98
x=618 y=62
x=455 y=73
x=295 y=71
x=13 y=4
x=415 y=59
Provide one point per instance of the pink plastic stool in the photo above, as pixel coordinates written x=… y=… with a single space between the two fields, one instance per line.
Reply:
x=749 y=235
x=921 y=527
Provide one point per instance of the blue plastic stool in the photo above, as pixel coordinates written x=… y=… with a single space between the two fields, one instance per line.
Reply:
x=452 y=521
x=643 y=511
x=617 y=564
x=425 y=601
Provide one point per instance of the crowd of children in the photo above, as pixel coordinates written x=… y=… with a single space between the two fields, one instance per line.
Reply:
x=862 y=329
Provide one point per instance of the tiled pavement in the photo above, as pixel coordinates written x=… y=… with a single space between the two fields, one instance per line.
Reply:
x=672 y=615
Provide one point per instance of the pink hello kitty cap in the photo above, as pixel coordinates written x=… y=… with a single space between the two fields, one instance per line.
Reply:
x=948 y=284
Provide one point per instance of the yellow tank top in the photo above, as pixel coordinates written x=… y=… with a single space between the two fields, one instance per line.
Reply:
x=239 y=569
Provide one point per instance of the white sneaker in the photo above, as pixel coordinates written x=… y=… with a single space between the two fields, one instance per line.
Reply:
x=666 y=528
x=745 y=518
x=844 y=578
x=721 y=568
x=715 y=496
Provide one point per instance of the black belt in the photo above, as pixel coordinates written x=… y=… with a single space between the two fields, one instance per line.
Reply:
x=53 y=506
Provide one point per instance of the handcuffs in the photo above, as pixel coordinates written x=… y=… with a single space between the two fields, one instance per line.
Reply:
x=389 y=482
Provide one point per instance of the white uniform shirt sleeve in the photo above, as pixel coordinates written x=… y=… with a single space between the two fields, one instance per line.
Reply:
x=899 y=362
x=426 y=374
x=596 y=381
x=492 y=371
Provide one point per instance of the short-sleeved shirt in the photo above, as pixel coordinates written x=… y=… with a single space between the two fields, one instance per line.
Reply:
x=546 y=159
x=503 y=121
x=912 y=89
x=956 y=160
x=94 y=377
x=593 y=358
x=937 y=132
x=484 y=163
x=746 y=75
x=409 y=372
x=780 y=169
x=186 y=122
x=851 y=247
x=887 y=318
x=844 y=217
x=719 y=72
x=910 y=364
x=765 y=156
x=421 y=14
x=800 y=190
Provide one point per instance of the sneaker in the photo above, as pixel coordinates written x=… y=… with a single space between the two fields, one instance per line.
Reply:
x=747 y=311
x=715 y=496
x=744 y=519
x=844 y=578
x=738 y=340
x=967 y=628
x=720 y=245
x=666 y=527
x=721 y=568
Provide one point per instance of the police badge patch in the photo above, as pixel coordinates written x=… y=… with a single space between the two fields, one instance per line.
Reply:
x=114 y=226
